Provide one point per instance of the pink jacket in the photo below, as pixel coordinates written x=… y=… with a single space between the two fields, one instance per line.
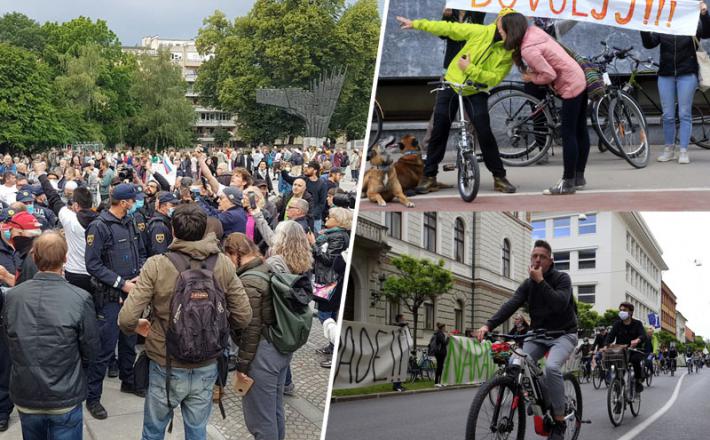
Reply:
x=549 y=63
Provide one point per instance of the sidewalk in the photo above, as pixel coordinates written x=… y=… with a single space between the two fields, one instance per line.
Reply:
x=304 y=411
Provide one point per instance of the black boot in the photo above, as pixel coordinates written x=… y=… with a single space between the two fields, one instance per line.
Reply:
x=426 y=184
x=564 y=186
x=97 y=410
x=501 y=184
x=558 y=431
x=579 y=181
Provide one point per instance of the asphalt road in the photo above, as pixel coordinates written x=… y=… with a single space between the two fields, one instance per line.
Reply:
x=612 y=184
x=442 y=415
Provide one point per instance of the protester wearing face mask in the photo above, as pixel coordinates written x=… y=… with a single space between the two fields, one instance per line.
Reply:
x=43 y=213
x=629 y=331
x=20 y=231
x=114 y=256
x=139 y=217
x=159 y=227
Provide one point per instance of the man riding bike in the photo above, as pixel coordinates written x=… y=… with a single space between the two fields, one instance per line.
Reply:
x=586 y=350
x=548 y=295
x=672 y=357
x=649 y=347
x=629 y=331
x=599 y=344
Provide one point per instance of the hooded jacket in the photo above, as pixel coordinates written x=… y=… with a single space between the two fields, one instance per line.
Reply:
x=550 y=303
x=490 y=61
x=259 y=293
x=156 y=286
x=677 y=51
x=549 y=63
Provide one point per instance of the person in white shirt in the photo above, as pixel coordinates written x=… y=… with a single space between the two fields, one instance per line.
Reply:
x=8 y=190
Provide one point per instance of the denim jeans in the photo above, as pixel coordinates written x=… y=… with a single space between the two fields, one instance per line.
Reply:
x=680 y=89
x=52 y=427
x=263 y=405
x=191 y=389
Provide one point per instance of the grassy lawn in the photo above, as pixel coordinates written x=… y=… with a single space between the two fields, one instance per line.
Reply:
x=382 y=388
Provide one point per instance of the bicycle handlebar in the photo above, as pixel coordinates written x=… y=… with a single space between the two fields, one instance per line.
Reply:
x=539 y=333
x=459 y=86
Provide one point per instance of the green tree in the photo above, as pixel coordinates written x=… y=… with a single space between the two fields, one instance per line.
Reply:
x=609 y=318
x=165 y=117
x=587 y=318
x=19 y=30
x=67 y=40
x=28 y=117
x=420 y=279
x=665 y=338
x=288 y=44
x=221 y=137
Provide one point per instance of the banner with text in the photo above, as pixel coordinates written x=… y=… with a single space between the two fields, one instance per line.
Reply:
x=467 y=361
x=371 y=354
x=677 y=17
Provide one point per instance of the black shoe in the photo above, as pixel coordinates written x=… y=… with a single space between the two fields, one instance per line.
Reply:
x=400 y=389
x=129 y=388
x=558 y=431
x=501 y=184
x=113 y=371
x=426 y=184
x=564 y=186
x=97 y=410
x=327 y=349
x=580 y=182
x=326 y=364
x=4 y=423
x=639 y=387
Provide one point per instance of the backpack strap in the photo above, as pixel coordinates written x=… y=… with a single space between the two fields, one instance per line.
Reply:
x=179 y=260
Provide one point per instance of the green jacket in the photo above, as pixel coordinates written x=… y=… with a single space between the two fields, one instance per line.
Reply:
x=490 y=62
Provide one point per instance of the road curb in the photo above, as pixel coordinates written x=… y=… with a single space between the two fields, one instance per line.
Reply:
x=336 y=399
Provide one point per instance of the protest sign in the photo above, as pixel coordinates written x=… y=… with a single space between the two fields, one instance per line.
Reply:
x=677 y=17
x=467 y=361
x=370 y=354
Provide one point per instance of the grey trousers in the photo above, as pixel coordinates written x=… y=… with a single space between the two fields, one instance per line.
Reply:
x=560 y=350
x=263 y=405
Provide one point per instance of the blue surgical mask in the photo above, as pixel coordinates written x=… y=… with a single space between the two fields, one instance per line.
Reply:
x=133 y=209
x=623 y=316
x=7 y=234
x=170 y=212
x=139 y=204
x=30 y=209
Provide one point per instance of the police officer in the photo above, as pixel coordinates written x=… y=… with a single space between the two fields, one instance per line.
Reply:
x=25 y=197
x=159 y=229
x=114 y=257
x=139 y=215
x=43 y=213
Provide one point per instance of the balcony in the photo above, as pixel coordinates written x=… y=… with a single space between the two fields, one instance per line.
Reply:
x=371 y=235
x=215 y=123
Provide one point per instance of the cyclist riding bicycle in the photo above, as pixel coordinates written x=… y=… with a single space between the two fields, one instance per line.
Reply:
x=689 y=357
x=649 y=347
x=548 y=295
x=586 y=350
x=599 y=344
x=629 y=331
x=672 y=356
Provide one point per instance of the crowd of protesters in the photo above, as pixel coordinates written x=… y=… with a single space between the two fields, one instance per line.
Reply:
x=96 y=248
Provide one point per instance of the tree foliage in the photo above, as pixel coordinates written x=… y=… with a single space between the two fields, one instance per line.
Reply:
x=288 y=43
x=19 y=30
x=587 y=319
x=221 y=136
x=420 y=279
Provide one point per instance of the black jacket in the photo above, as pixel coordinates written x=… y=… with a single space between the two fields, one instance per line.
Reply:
x=677 y=51
x=550 y=303
x=328 y=247
x=51 y=331
x=623 y=334
x=317 y=189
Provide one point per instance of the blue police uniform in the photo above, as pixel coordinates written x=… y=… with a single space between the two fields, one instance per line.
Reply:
x=159 y=233
x=114 y=254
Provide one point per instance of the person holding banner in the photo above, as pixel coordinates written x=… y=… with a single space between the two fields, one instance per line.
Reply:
x=484 y=60
x=548 y=295
x=677 y=81
x=542 y=61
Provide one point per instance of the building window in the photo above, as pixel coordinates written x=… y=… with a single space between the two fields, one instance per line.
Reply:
x=394 y=310
x=506 y=258
x=561 y=260
x=587 y=259
x=430 y=231
x=458 y=315
x=586 y=294
x=538 y=232
x=393 y=221
x=588 y=225
x=561 y=227
x=459 y=234
x=429 y=316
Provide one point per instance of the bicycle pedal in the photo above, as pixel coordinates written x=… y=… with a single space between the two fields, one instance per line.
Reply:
x=449 y=167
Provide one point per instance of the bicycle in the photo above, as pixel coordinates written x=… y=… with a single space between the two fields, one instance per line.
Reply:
x=672 y=365
x=585 y=372
x=520 y=392
x=420 y=365
x=469 y=176
x=622 y=389
x=599 y=375
x=649 y=370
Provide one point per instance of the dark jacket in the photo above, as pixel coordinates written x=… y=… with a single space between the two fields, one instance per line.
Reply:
x=266 y=177
x=51 y=330
x=317 y=189
x=282 y=203
x=333 y=305
x=550 y=303
x=8 y=259
x=328 y=247
x=623 y=334
x=677 y=51
x=233 y=220
x=159 y=234
x=262 y=309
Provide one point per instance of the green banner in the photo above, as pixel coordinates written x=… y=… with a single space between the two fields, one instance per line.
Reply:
x=467 y=361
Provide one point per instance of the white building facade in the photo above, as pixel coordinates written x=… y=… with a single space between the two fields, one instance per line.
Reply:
x=680 y=326
x=611 y=257
x=487 y=253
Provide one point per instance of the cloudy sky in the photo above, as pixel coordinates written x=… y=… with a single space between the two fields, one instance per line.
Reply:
x=132 y=20
x=685 y=238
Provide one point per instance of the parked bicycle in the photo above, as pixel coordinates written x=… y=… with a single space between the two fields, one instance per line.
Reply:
x=622 y=389
x=520 y=392
x=421 y=367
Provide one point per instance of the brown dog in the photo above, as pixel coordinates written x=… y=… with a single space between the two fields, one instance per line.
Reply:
x=382 y=182
x=410 y=167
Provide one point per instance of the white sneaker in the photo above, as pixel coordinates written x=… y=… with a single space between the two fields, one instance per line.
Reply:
x=668 y=155
x=683 y=158
x=438 y=385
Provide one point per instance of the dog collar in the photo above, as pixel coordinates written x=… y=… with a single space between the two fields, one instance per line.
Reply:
x=410 y=153
x=384 y=167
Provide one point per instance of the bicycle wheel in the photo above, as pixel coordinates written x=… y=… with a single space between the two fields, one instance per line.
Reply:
x=629 y=129
x=600 y=122
x=615 y=401
x=376 y=124
x=573 y=406
x=469 y=176
x=700 y=135
x=649 y=376
x=523 y=129
x=597 y=377
x=504 y=419
x=634 y=397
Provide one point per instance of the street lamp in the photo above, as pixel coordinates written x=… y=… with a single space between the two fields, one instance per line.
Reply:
x=377 y=293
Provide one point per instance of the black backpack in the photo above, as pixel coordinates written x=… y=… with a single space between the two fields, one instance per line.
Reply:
x=434 y=346
x=198 y=326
